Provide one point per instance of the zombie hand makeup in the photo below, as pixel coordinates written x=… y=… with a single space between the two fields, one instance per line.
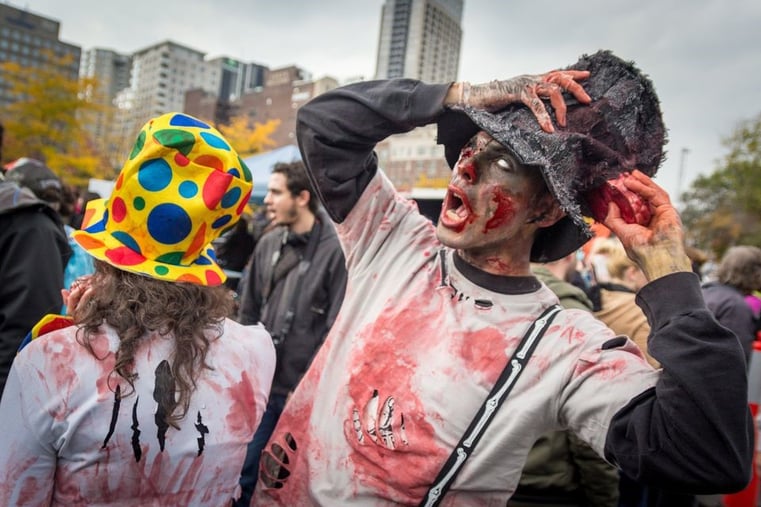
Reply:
x=529 y=90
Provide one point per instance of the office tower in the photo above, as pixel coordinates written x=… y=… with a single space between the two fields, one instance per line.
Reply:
x=111 y=71
x=162 y=73
x=420 y=39
x=32 y=41
x=232 y=79
x=235 y=77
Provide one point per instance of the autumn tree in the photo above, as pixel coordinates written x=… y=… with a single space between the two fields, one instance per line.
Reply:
x=723 y=209
x=249 y=137
x=46 y=119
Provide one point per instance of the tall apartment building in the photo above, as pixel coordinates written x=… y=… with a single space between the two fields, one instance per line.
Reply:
x=28 y=39
x=162 y=73
x=160 y=76
x=420 y=39
x=112 y=71
x=234 y=79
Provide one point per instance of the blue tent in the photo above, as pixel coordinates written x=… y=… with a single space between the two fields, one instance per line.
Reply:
x=261 y=166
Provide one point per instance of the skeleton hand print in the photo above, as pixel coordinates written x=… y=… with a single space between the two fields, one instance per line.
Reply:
x=379 y=423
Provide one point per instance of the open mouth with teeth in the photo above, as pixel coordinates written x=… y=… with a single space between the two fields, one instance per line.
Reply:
x=455 y=210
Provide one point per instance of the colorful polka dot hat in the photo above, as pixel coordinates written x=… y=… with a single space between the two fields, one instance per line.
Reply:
x=182 y=186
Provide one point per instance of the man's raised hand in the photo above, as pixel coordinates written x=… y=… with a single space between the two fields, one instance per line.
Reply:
x=658 y=247
x=527 y=89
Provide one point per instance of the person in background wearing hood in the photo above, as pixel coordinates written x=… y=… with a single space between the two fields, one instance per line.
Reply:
x=449 y=358
x=34 y=252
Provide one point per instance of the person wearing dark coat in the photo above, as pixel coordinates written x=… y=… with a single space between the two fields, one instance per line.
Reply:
x=738 y=275
x=34 y=251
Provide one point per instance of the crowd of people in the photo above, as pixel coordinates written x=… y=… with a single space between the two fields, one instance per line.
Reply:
x=503 y=354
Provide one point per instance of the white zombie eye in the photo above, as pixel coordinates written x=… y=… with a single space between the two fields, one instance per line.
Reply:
x=504 y=164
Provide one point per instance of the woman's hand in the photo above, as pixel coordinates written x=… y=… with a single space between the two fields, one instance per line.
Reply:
x=78 y=294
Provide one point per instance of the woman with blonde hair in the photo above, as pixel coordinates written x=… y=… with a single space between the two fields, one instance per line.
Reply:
x=617 y=307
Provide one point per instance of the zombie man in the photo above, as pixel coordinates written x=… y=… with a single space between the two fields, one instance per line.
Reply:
x=392 y=409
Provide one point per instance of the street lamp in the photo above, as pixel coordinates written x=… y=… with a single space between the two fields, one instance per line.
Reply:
x=682 y=160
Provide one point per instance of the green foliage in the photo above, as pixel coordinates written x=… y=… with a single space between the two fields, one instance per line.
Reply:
x=724 y=208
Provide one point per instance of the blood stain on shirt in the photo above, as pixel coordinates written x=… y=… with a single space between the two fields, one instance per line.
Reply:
x=239 y=419
x=404 y=333
x=604 y=370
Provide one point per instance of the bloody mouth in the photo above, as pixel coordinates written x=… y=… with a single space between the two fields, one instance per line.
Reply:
x=455 y=210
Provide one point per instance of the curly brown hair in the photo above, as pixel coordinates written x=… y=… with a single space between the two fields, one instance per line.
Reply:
x=135 y=305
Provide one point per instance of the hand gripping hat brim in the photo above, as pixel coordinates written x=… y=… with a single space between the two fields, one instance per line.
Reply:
x=182 y=186
x=621 y=130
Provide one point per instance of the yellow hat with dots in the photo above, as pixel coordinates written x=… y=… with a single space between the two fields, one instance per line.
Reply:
x=182 y=186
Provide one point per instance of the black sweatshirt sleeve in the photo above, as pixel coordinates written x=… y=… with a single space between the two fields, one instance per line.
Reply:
x=338 y=130
x=693 y=431
x=32 y=266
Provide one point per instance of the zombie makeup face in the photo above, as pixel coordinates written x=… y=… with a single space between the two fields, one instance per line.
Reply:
x=281 y=205
x=493 y=204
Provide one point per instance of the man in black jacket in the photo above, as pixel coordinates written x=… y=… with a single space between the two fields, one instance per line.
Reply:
x=295 y=286
x=397 y=406
x=33 y=254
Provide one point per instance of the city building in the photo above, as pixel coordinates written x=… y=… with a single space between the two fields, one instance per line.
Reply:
x=160 y=76
x=420 y=39
x=414 y=160
x=162 y=73
x=32 y=41
x=235 y=79
x=111 y=71
x=284 y=91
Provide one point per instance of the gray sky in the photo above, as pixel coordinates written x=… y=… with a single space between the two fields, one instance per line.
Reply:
x=704 y=56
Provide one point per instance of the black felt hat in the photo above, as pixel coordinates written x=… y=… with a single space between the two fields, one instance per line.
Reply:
x=621 y=130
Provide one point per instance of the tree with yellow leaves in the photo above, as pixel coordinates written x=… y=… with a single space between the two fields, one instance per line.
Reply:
x=47 y=118
x=248 y=139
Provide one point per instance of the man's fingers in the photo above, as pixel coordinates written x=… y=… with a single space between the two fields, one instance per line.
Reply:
x=567 y=80
x=558 y=104
x=613 y=218
x=533 y=102
x=639 y=183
